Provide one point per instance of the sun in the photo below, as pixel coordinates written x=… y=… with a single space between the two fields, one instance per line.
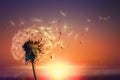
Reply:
x=61 y=70
x=58 y=70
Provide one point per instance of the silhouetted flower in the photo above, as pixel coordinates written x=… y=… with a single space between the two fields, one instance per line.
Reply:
x=32 y=49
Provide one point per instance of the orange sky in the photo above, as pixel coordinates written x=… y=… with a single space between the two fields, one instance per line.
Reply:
x=99 y=46
x=95 y=49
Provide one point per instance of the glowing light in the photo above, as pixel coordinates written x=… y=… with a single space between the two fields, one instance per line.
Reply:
x=59 y=71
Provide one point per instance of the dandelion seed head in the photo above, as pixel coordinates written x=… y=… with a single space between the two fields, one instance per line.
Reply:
x=34 y=37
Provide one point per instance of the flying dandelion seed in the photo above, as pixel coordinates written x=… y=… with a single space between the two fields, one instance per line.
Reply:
x=104 y=18
x=53 y=22
x=76 y=36
x=86 y=29
x=62 y=13
x=88 y=20
x=21 y=23
x=65 y=27
x=12 y=23
x=70 y=34
x=108 y=17
x=100 y=17
x=37 y=20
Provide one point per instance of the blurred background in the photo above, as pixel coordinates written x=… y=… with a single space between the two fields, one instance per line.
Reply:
x=92 y=55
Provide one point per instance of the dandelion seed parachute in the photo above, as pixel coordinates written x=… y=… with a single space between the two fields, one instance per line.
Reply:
x=46 y=36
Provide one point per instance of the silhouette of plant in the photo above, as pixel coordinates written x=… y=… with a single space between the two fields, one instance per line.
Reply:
x=31 y=48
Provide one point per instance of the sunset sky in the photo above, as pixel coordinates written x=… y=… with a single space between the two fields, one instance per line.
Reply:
x=97 y=23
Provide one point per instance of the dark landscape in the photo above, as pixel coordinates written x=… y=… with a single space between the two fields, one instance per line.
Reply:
x=101 y=77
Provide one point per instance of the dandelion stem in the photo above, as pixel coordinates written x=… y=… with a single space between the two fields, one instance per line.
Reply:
x=33 y=68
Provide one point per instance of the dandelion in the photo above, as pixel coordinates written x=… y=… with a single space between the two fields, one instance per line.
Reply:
x=33 y=44
x=31 y=49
